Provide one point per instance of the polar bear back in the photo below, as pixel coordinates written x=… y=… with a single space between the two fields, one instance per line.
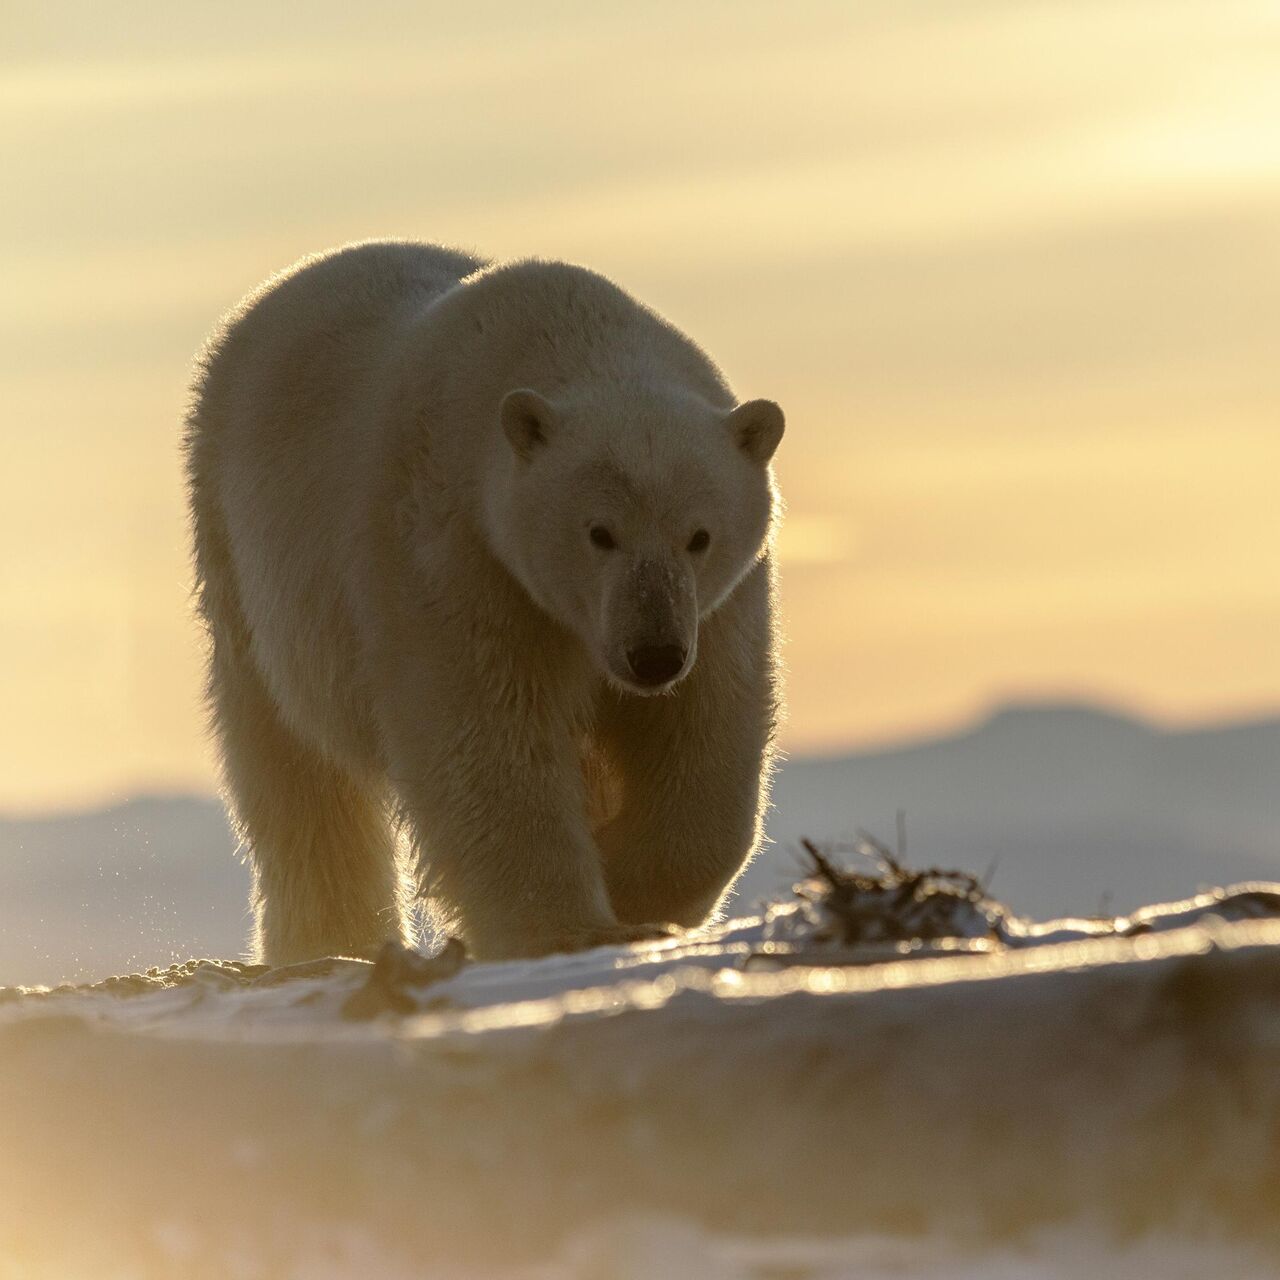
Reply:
x=287 y=429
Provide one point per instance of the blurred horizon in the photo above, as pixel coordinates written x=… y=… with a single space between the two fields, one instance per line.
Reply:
x=1012 y=269
x=1055 y=715
x=1072 y=805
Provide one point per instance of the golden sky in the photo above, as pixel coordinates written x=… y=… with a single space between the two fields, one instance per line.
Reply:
x=1011 y=266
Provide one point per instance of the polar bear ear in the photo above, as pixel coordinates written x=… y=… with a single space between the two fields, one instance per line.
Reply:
x=527 y=421
x=756 y=427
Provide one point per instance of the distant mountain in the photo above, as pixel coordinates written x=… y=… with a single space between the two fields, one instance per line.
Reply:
x=1074 y=806
x=144 y=883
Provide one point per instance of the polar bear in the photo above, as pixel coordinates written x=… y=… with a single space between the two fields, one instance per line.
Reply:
x=483 y=556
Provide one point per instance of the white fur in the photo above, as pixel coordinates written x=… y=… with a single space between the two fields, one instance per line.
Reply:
x=408 y=616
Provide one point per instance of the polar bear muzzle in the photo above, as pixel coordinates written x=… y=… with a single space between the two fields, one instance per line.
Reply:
x=655 y=664
x=655 y=625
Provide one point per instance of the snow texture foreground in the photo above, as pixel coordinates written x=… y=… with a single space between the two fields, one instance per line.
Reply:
x=814 y=1092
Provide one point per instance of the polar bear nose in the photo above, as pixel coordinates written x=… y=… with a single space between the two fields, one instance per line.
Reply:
x=654 y=664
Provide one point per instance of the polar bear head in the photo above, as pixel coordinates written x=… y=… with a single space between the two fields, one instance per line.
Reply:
x=630 y=514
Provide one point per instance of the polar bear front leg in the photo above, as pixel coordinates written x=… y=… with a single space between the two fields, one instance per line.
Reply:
x=694 y=767
x=486 y=763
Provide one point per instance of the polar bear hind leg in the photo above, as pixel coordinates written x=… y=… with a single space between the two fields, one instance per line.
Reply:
x=325 y=874
x=325 y=877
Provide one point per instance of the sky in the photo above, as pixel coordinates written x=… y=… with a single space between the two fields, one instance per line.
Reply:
x=1012 y=269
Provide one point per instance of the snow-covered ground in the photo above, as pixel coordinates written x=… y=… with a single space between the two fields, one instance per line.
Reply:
x=795 y=1095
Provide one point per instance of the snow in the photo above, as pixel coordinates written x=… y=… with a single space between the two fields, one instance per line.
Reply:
x=762 y=1099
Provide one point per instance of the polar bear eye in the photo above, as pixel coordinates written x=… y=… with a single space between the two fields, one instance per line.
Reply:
x=700 y=541
x=602 y=538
